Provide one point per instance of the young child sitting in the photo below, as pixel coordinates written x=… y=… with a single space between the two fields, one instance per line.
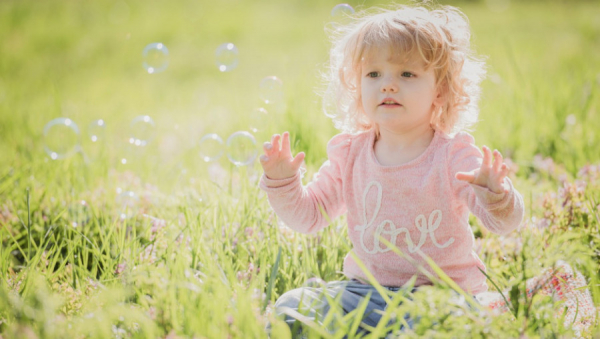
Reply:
x=403 y=87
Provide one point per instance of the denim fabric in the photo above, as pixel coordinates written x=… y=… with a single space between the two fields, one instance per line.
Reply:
x=312 y=303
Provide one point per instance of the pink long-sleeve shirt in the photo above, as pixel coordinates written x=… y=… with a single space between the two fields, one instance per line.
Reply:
x=418 y=206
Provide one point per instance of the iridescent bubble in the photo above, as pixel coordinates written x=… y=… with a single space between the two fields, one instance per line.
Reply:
x=314 y=282
x=97 y=130
x=142 y=131
x=271 y=90
x=210 y=147
x=127 y=203
x=258 y=119
x=156 y=57
x=227 y=57
x=79 y=213
x=341 y=14
x=241 y=148
x=61 y=138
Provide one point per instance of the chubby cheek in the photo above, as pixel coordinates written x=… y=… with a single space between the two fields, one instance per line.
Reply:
x=367 y=96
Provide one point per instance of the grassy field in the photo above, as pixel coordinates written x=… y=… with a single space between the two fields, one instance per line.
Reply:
x=167 y=245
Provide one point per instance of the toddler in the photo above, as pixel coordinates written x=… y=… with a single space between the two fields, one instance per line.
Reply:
x=403 y=86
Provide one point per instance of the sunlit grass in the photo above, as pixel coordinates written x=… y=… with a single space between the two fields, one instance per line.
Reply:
x=195 y=254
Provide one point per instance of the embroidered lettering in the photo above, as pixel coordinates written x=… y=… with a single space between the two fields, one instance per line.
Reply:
x=425 y=226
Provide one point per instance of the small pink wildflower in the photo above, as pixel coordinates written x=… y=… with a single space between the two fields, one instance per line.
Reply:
x=152 y=312
x=544 y=164
x=120 y=268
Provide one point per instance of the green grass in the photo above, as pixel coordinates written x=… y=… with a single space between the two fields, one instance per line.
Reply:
x=208 y=271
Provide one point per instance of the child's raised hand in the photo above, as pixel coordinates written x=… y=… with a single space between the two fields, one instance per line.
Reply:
x=278 y=162
x=489 y=175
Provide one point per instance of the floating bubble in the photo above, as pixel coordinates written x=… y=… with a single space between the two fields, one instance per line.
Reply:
x=130 y=153
x=341 y=14
x=97 y=130
x=258 y=119
x=79 y=213
x=156 y=57
x=314 y=282
x=61 y=138
x=241 y=148
x=342 y=10
x=571 y=119
x=227 y=57
x=142 y=131
x=210 y=147
x=127 y=202
x=271 y=90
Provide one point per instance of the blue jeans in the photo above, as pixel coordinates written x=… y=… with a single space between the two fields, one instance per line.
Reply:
x=312 y=304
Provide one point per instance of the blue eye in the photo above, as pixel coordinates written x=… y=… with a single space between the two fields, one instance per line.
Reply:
x=407 y=74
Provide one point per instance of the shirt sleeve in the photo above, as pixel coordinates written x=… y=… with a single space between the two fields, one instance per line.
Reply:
x=308 y=209
x=499 y=212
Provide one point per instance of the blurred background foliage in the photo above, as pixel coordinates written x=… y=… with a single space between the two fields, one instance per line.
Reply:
x=82 y=60
x=212 y=255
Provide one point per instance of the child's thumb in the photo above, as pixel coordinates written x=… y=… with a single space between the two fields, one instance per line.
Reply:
x=468 y=177
x=298 y=160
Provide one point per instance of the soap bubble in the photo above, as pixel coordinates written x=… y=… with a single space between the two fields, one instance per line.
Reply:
x=241 y=148
x=210 y=147
x=78 y=213
x=131 y=153
x=127 y=201
x=341 y=14
x=314 y=282
x=342 y=10
x=271 y=90
x=61 y=138
x=227 y=57
x=156 y=57
x=142 y=130
x=97 y=130
x=258 y=119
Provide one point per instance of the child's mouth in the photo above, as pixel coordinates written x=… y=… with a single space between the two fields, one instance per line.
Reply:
x=389 y=102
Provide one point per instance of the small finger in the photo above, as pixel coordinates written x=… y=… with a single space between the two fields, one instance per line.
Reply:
x=464 y=176
x=285 y=143
x=504 y=170
x=267 y=146
x=275 y=143
x=263 y=158
x=487 y=157
x=498 y=160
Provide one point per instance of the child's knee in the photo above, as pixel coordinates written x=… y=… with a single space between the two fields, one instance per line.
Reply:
x=289 y=299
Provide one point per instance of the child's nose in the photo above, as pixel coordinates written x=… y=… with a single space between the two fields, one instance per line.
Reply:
x=389 y=85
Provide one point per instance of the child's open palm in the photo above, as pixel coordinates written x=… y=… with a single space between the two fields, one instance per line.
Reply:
x=278 y=162
x=489 y=175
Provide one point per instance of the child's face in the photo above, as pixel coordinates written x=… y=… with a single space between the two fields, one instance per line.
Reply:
x=398 y=96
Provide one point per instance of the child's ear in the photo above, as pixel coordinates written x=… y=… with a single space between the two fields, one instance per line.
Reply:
x=441 y=99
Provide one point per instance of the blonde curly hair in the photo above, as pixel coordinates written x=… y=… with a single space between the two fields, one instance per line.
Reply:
x=441 y=36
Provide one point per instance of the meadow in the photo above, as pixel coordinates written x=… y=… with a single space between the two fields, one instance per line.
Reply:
x=125 y=241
